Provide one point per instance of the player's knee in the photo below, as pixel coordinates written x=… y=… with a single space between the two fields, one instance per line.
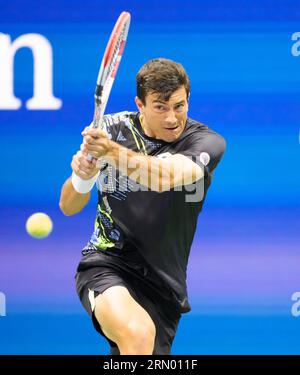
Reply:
x=138 y=338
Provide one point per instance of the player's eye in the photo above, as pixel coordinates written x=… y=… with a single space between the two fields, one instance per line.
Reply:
x=159 y=107
x=179 y=106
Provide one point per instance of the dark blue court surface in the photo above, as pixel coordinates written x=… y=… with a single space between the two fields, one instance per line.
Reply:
x=198 y=334
x=240 y=286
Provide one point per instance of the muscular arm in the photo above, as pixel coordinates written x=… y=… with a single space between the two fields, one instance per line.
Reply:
x=153 y=172
x=70 y=201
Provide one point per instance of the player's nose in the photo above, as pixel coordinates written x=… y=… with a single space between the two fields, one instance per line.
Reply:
x=171 y=118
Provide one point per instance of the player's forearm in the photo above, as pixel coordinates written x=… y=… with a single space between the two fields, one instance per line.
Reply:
x=70 y=201
x=143 y=169
x=155 y=173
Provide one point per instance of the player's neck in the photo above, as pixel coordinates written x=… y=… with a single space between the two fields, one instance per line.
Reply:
x=145 y=127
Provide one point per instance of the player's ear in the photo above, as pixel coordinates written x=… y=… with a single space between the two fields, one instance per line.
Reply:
x=139 y=103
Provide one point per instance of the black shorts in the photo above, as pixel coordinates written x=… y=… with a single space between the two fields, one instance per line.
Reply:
x=98 y=271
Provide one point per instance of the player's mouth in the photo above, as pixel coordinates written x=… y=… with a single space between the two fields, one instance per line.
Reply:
x=172 y=127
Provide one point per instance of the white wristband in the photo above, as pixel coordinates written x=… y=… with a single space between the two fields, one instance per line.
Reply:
x=83 y=186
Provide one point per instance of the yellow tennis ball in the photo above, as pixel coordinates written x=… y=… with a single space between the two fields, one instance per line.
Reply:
x=39 y=225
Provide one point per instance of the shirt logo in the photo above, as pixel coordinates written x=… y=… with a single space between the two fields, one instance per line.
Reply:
x=204 y=158
x=120 y=137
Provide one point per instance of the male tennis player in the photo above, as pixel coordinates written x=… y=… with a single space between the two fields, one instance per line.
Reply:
x=152 y=169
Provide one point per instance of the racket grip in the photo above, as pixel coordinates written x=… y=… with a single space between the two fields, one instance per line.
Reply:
x=89 y=157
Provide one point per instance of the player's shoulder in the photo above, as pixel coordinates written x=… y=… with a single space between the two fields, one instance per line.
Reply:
x=116 y=118
x=197 y=131
x=114 y=122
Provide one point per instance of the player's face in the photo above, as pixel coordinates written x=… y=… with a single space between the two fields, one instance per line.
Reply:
x=164 y=119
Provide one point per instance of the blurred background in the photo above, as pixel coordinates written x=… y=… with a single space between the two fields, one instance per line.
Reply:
x=243 y=58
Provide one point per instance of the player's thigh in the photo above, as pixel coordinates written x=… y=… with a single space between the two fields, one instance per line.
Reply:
x=119 y=314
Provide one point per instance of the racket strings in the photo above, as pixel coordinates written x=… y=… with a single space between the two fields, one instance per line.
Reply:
x=116 y=55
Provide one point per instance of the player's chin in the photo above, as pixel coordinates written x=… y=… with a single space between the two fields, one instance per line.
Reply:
x=171 y=136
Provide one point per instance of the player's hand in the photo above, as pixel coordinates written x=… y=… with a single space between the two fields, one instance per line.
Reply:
x=84 y=168
x=95 y=142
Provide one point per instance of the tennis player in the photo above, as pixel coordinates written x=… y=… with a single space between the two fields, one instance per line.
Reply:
x=152 y=169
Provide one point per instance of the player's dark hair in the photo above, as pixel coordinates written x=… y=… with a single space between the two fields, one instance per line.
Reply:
x=161 y=76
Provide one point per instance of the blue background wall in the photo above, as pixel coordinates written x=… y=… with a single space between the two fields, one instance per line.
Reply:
x=244 y=265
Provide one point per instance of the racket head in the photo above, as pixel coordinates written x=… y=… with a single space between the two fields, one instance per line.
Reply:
x=109 y=65
x=117 y=39
x=113 y=52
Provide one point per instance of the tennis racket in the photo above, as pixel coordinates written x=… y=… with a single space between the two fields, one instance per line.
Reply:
x=109 y=67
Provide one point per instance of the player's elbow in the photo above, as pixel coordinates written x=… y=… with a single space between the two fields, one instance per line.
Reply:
x=64 y=209
x=67 y=210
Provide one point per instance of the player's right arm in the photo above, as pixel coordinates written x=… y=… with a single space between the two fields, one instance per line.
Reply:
x=71 y=201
